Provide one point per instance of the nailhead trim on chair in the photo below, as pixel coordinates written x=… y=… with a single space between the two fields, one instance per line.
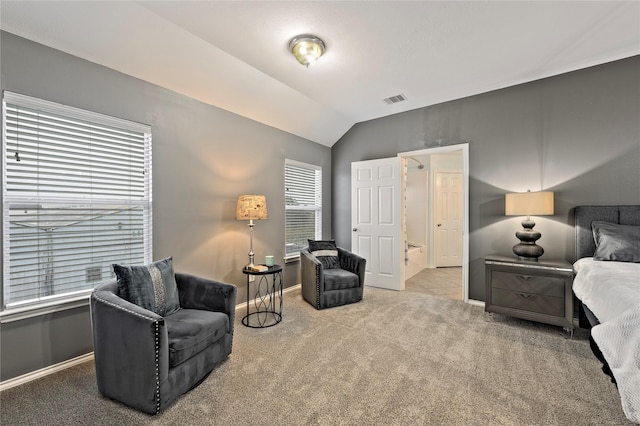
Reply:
x=157 y=333
x=318 y=287
x=157 y=369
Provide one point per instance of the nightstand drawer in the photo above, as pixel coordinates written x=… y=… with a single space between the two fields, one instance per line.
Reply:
x=548 y=286
x=531 y=302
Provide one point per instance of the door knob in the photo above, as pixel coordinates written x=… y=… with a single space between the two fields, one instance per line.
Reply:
x=439 y=224
x=355 y=229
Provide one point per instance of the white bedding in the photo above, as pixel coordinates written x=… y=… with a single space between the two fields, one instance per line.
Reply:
x=607 y=288
x=611 y=290
x=619 y=342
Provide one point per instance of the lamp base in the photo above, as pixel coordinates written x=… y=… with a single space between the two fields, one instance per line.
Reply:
x=251 y=254
x=530 y=252
x=527 y=249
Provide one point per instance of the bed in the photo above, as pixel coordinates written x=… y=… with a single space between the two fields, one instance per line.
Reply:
x=607 y=284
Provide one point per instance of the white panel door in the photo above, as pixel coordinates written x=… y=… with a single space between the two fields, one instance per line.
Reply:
x=376 y=214
x=448 y=219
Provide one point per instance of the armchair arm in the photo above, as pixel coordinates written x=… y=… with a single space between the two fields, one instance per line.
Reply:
x=206 y=294
x=353 y=263
x=130 y=349
x=312 y=274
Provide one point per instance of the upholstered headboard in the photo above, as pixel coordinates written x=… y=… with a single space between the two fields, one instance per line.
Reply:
x=584 y=215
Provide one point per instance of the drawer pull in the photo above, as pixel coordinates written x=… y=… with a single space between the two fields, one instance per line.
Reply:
x=525 y=295
x=524 y=277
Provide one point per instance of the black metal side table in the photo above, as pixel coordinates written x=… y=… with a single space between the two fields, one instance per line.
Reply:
x=267 y=301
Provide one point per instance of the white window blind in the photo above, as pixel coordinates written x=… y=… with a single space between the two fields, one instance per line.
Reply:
x=76 y=199
x=303 y=205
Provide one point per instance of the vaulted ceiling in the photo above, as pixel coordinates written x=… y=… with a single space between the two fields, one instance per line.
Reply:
x=234 y=54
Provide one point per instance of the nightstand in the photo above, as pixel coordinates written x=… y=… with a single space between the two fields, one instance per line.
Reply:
x=537 y=291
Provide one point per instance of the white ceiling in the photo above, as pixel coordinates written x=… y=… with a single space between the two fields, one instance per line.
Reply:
x=234 y=55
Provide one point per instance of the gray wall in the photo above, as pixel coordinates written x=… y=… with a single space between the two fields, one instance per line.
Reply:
x=577 y=134
x=203 y=158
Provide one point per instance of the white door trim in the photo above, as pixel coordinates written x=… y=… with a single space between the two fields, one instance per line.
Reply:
x=464 y=147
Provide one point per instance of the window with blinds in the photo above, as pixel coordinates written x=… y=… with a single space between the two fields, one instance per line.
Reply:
x=303 y=205
x=76 y=199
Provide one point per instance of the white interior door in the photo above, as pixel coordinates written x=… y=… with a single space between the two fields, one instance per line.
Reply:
x=449 y=224
x=376 y=220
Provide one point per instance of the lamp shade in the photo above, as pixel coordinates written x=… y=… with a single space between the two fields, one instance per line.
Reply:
x=252 y=207
x=529 y=203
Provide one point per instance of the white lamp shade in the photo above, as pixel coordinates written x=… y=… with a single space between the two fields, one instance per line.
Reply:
x=529 y=204
x=252 y=207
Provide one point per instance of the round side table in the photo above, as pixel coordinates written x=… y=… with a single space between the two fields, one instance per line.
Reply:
x=266 y=308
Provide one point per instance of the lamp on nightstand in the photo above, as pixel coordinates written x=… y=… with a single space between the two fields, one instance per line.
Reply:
x=251 y=207
x=528 y=204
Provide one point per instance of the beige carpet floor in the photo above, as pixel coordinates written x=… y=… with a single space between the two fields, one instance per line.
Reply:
x=396 y=358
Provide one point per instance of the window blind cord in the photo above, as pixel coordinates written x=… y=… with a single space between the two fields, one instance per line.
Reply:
x=17 y=154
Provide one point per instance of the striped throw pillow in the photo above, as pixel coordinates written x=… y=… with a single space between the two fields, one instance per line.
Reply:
x=326 y=252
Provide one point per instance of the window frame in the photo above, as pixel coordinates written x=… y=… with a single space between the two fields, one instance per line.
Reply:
x=71 y=298
x=317 y=194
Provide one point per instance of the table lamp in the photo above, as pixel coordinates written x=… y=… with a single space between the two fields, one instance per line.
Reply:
x=251 y=207
x=528 y=204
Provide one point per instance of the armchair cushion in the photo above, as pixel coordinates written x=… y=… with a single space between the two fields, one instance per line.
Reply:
x=192 y=330
x=339 y=279
x=326 y=252
x=152 y=287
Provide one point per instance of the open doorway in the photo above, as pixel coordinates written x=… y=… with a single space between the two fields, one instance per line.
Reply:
x=435 y=225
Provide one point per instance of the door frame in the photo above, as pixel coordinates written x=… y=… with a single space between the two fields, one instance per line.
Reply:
x=464 y=147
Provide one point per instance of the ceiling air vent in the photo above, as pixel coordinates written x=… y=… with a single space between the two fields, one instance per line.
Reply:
x=395 y=99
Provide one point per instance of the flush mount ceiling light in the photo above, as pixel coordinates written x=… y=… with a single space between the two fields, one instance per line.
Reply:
x=307 y=48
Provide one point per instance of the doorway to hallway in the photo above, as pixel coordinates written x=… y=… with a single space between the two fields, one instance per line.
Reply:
x=436 y=221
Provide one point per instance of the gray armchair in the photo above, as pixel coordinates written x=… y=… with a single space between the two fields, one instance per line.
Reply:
x=147 y=361
x=326 y=288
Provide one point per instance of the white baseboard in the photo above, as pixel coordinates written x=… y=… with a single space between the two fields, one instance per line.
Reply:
x=38 y=374
x=476 y=302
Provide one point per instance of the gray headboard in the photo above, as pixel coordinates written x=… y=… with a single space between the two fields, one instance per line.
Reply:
x=584 y=215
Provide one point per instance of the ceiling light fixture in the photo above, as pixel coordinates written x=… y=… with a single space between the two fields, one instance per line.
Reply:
x=307 y=48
